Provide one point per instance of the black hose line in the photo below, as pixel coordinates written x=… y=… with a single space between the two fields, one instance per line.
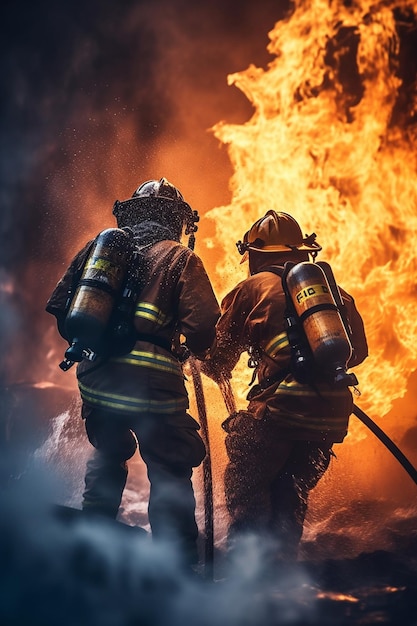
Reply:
x=383 y=437
x=207 y=473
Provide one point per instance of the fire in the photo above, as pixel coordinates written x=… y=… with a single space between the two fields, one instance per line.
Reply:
x=331 y=141
x=339 y=597
x=326 y=143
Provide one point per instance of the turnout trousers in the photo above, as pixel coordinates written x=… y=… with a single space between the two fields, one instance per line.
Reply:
x=267 y=482
x=170 y=447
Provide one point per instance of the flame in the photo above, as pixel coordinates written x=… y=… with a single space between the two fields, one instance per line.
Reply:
x=339 y=597
x=326 y=143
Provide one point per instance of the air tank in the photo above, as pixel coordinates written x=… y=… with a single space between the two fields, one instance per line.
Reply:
x=321 y=320
x=98 y=290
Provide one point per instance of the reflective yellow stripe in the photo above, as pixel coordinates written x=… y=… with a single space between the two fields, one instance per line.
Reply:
x=149 y=311
x=130 y=404
x=326 y=422
x=148 y=359
x=276 y=344
x=329 y=422
x=296 y=389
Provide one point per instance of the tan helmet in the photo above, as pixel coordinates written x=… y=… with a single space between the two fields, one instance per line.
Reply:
x=277 y=232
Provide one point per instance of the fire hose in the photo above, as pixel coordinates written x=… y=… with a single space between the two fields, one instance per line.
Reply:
x=207 y=473
x=388 y=443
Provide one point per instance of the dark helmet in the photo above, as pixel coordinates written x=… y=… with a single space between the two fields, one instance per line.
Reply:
x=161 y=188
x=159 y=201
x=277 y=232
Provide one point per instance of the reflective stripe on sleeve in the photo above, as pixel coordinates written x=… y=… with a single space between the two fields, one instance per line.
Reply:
x=124 y=403
x=294 y=388
x=277 y=343
x=329 y=422
x=150 y=312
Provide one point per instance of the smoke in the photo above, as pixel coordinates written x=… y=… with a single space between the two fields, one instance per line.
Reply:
x=60 y=567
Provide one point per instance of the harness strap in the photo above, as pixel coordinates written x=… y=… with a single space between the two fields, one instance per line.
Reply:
x=157 y=341
x=267 y=382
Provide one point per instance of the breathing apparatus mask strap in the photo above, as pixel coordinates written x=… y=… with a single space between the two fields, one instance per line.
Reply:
x=191 y=226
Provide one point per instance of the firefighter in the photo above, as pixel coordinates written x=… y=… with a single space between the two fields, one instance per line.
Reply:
x=139 y=398
x=280 y=447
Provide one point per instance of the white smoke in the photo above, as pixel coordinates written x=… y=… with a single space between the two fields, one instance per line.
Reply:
x=62 y=568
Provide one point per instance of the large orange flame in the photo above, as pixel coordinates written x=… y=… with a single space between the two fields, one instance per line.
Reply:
x=335 y=160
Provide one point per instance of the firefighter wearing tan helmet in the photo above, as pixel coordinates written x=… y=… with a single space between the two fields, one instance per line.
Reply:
x=280 y=447
x=135 y=394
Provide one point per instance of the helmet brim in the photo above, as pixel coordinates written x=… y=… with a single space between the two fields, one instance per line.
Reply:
x=302 y=247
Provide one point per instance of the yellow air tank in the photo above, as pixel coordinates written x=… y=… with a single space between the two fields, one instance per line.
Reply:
x=321 y=320
x=98 y=290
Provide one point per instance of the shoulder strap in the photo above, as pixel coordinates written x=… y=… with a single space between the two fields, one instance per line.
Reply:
x=157 y=341
x=301 y=356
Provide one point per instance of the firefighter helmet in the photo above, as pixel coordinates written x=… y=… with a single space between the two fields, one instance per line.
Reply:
x=161 y=188
x=159 y=201
x=277 y=232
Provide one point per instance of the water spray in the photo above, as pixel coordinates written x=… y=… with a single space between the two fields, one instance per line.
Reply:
x=228 y=397
x=207 y=472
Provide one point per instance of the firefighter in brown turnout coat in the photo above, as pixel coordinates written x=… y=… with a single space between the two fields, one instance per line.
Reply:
x=281 y=446
x=140 y=396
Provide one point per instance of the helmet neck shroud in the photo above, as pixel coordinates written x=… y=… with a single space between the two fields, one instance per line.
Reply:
x=160 y=202
x=258 y=261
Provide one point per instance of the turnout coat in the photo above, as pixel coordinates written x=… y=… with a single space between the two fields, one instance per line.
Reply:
x=177 y=300
x=253 y=317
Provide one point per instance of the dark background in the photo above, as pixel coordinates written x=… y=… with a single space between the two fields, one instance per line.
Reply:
x=98 y=96
x=74 y=73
